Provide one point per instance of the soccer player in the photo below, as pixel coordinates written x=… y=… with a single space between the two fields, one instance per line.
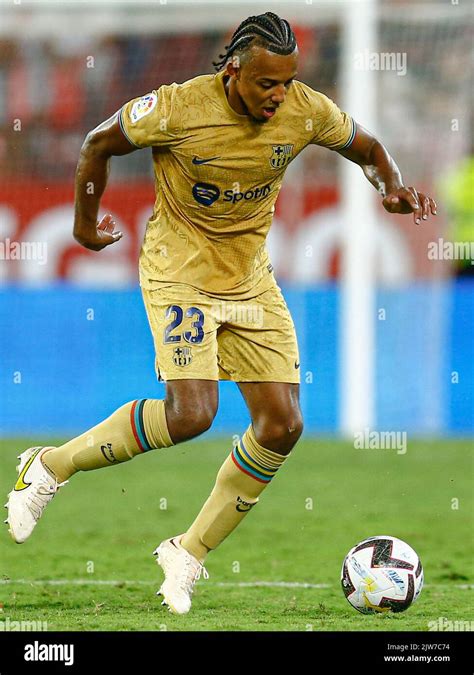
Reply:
x=221 y=145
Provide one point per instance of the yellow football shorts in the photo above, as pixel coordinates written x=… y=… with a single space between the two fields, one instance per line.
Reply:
x=200 y=337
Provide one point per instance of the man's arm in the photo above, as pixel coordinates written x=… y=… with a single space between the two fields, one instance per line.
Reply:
x=381 y=170
x=92 y=172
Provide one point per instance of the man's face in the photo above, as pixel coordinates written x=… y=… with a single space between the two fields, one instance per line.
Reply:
x=262 y=81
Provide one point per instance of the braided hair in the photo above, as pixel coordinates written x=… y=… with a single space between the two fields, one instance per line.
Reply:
x=268 y=31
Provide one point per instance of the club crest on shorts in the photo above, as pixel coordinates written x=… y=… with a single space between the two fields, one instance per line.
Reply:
x=281 y=155
x=182 y=356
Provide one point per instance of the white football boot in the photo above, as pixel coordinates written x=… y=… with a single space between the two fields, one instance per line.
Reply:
x=182 y=570
x=34 y=489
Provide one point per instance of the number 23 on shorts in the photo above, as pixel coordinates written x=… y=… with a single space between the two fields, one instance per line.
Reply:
x=176 y=314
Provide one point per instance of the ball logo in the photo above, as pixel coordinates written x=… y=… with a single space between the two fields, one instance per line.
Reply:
x=205 y=193
x=396 y=578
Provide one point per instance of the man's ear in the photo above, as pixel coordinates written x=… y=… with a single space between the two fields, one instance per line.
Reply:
x=233 y=67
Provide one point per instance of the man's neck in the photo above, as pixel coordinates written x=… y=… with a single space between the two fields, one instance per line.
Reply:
x=233 y=96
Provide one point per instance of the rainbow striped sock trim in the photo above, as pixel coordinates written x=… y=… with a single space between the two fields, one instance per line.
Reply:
x=138 y=428
x=246 y=463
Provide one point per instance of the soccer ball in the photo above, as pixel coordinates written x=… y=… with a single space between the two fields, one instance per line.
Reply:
x=381 y=574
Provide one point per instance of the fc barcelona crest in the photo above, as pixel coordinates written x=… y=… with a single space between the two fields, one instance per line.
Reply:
x=182 y=356
x=281 y=155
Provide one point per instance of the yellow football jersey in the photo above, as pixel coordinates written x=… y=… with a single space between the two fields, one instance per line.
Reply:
x=217 y=177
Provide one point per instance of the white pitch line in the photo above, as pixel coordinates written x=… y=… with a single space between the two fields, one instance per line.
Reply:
x=116 y=582
x=228 y=584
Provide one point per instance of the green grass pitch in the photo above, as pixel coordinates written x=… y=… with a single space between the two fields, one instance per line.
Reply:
x=89 y=564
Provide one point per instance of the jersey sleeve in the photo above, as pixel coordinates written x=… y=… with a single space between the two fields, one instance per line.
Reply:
x=332 y=127
x=150 y=120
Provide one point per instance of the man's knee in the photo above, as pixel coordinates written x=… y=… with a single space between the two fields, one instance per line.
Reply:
x=189 y=415
x=279 y=433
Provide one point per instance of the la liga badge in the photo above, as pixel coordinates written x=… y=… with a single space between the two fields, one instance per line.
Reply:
x=143 y=107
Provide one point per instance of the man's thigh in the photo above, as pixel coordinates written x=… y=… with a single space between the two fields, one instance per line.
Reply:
x=258 y=341
x=184 y=328
x=200 y=337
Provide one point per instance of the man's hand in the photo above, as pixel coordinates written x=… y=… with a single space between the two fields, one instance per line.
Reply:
x=408 y=200
x=103 y=236
x=381 y=170
x=105 y=141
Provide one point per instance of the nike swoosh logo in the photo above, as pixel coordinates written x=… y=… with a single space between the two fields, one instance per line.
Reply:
x=203 y=161
x=104 y=448
x=20 y=484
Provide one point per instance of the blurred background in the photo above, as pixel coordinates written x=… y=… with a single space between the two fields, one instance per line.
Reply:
x=74 y=338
